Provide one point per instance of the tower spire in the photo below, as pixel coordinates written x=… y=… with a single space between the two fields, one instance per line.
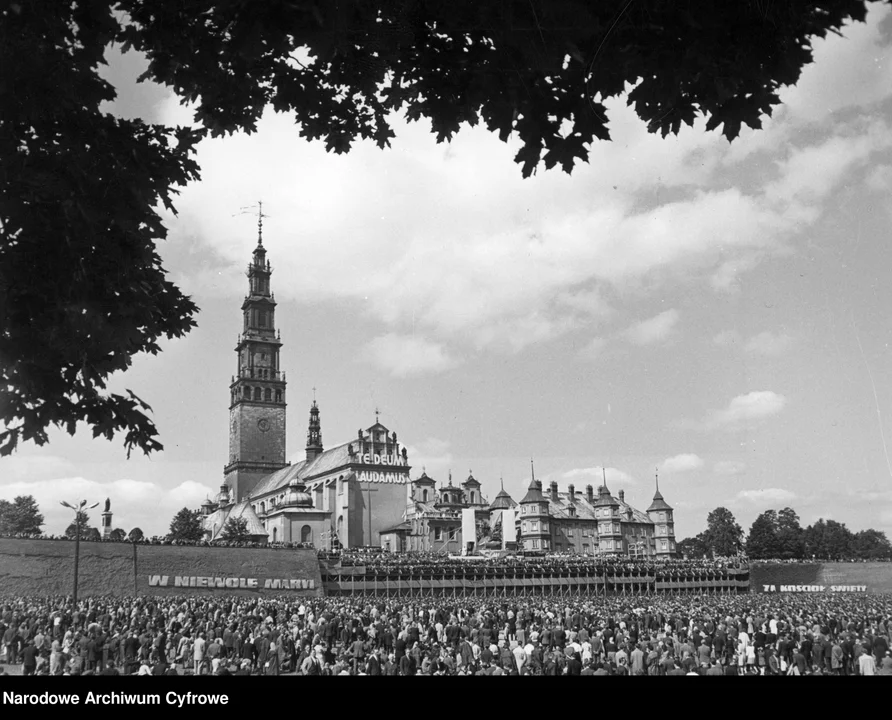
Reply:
x=532 y=471
x=260 y=217
x=314 y=432
x=604 y=475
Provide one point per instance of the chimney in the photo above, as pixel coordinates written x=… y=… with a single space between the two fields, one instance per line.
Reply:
x=590 y=494
x=572 y=491
x=554 y=495
x=622 y=496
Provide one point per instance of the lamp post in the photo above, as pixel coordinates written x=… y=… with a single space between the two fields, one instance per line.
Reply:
x=78 y=509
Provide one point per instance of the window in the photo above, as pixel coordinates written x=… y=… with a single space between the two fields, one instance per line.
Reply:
x=424 y=495
x=268 y=394
x=278 y=396
x=247 y=392
x=544 y=527
x=534 y=526
x=535 y=544
x=257 y=393
x=473 y=499
x=306 y=534
x=438 y=533
x=261 y=318
x=275 y=534
x=524 y=510
x=662 y=517
x=585 y=548
x=664 y=545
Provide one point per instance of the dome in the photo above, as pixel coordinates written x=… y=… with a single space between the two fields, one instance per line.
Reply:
x=297 y=495
x=222 y=499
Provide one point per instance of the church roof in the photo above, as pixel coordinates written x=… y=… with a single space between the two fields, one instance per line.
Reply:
x=216 y=521
x=659 y=503
x=306 y=470
x=534 y=493
x=503 y=501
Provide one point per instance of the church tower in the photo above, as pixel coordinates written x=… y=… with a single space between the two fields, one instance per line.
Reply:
x=257 y=392
x=660 y=514
x=314 y=434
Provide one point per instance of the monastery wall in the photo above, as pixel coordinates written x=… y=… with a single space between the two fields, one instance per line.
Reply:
x=46 y=567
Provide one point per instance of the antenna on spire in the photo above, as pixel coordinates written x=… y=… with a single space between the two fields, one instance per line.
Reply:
x=314 y=394
x=502 y=482
x=657 y=479
x=377 y=413
x=604 y=475
x=532 y=470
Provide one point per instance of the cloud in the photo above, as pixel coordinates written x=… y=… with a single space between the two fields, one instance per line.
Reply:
x=743 y=409
x=726 y=277
x=405 y=355
x=134 y=503
x=595 y=476
x=729 y=467
x=652 y=330
x=768 y=344
x=767 y=495
x=432 y=456
x=593 y=348
x=682 y=463
x=880 y=178
x=727 y=337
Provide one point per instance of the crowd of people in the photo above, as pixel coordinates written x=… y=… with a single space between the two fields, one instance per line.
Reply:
x=438 y=565
x=754 y=634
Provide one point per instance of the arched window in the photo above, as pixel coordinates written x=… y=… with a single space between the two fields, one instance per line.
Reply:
x=275 y=534
x=267 y=394
x=340 y=527
x=278 y=396
x=247 y=392
x=473 y=499
x=263 y=507
x=306 y=534
x=424 y=495
x=257 y=393
x=261 y=318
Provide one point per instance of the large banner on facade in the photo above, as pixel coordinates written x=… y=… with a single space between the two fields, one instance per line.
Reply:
x=509 y=529
x=468 y=528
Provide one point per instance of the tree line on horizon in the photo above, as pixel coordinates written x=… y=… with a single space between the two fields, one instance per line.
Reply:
x=22 y=517
x=774 y=534
x=779 y=535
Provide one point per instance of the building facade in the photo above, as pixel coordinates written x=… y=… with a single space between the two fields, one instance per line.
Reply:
x=591 y=524
x=343 y=496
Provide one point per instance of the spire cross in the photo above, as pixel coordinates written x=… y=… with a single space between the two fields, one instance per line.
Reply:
x=314 y=394
x=657 y=478
x=377 y=413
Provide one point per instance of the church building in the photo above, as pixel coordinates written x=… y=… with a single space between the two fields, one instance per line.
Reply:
x=340 y=497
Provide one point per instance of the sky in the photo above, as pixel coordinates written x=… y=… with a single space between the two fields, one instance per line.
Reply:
x=716 y=312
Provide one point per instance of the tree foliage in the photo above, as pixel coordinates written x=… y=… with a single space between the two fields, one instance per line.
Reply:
x=693 y=547
x=186 y=526
x=82 y=288
x=135 y=535
x=22 y=515
x=762 y=542
x=723 y=535
x=117 y=535
x=83 y=519
x=236 y=529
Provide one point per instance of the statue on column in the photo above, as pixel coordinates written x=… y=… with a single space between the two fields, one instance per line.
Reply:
x=107 y=505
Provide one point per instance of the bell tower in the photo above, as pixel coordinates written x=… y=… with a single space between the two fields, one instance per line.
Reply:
x=257 y=391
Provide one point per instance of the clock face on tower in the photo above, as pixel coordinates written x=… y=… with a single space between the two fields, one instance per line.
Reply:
x=263 y=424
